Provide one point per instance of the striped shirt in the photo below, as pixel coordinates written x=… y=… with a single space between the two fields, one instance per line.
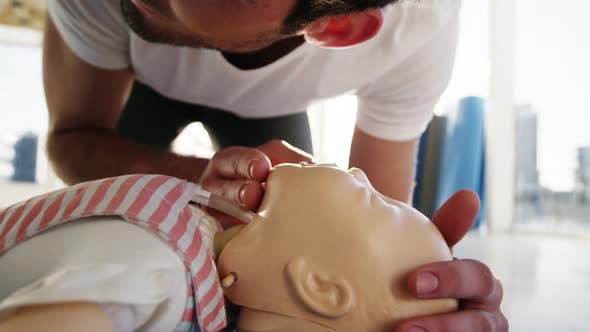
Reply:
x=154 y=202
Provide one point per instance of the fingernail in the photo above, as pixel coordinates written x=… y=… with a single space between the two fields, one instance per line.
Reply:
x=426 y=283
x=416 y=328
x=251 y=168
x=242 y=194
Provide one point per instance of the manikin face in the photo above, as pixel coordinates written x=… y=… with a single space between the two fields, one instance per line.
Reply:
x=329 y=253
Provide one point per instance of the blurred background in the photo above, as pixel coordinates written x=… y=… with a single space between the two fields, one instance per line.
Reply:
x=512 y=126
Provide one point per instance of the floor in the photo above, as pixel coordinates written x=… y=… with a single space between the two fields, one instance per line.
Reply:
x=546 y=279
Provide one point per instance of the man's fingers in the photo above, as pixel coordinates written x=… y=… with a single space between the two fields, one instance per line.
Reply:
x=456 y=217
x=494 y=299
x=460 y=279
x=281 y=152
x=241 y=163
x=469 y=320
x=247 y=193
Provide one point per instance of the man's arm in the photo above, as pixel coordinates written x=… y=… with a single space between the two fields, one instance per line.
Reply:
x=391 y=166
x=396 y=108
x=85 y=104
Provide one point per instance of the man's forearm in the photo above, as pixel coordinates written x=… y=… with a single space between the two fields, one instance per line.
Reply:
x=390 y=166
x=86 y=154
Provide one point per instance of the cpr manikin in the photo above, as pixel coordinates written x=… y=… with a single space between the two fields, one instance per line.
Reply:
x=329 y=253
x=326 y=252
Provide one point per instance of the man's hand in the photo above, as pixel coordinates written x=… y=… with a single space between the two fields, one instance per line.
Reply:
x=239 y=173
x=472 y=282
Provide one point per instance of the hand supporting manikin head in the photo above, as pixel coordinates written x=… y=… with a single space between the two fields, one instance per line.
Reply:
x=328 y=252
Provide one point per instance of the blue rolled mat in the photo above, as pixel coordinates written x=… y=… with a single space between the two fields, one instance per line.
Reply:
x=463 y=159
x=429 y=162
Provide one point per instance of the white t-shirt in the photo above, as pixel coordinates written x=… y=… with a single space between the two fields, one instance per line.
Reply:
x=398 y=76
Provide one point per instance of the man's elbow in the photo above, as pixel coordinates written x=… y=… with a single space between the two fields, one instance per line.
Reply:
x=59 y=153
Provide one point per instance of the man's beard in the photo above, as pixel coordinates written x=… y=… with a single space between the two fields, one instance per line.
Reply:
x=137 y=22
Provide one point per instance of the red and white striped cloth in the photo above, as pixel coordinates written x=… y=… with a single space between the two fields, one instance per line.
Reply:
x=155 y=202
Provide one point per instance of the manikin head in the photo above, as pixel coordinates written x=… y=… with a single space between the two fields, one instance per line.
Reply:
x=329 y=253
x=249 y=25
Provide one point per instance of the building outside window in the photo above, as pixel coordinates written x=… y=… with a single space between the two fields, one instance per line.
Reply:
x=551 y=116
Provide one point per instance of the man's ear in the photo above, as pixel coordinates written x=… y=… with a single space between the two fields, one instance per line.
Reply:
x=346 y=30
x=322 y=293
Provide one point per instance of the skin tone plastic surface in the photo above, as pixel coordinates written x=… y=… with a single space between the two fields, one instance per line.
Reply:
x=66 y=317
x=328 y=253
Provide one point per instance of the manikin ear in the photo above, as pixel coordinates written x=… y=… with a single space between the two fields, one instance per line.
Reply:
x=346 y=30
x=323 y=294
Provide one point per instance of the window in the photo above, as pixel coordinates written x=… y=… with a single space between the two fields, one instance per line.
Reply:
x=553 y=141
x=23 y=165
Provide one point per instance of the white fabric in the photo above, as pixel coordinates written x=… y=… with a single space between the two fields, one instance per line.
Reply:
x=122 y=316
x=399 y=75
x=209 y=226
x=107 y=261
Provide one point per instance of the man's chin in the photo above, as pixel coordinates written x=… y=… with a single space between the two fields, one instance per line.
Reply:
x=252 y=320
x=196 y=42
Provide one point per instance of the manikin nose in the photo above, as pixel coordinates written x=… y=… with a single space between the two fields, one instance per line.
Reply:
x=361 y=177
